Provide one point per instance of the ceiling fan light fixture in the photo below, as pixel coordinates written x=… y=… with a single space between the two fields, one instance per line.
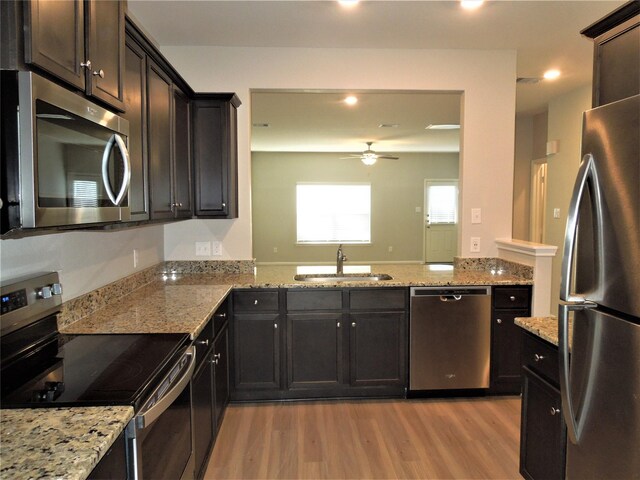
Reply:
x=351 y=100
x=369 y=158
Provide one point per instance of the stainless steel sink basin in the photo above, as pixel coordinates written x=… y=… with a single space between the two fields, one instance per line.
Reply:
x=345 y=277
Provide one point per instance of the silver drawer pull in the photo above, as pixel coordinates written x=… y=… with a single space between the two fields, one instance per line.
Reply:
x=512 y=298
x=498 y=320
x=555 y=411
x=275 y=325
x=203 y=342
x=255 y=302
x=538 y=358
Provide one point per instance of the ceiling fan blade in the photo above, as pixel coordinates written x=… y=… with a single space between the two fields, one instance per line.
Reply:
x=388 y=157
x=350 y=157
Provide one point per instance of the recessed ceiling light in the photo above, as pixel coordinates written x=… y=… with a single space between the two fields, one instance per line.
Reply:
x=471 y=4
x=551 y=74
x=442 y=126
x=348 y=3
x=351 y=100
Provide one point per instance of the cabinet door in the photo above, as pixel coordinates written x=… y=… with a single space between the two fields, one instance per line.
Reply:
x=105 y=30
x=215 y=157
x=182 y=154
x=506 y=351
x=257 y=351
x=54 y=39
x=542 y=435
x=376 y=343
x=159 y=96
x=202 y=412
x=113 y=465
x=221 y=375
x=314 y=348
x=135 y=102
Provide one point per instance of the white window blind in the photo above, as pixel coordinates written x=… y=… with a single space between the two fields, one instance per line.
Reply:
x=85 y=193
x=333 y=213
x=443 y=204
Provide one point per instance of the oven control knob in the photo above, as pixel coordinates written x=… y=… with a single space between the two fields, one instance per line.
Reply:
x=44 y=292
x=56 y=289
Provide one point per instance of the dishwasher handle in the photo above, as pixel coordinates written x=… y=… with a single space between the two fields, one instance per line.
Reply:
x=450 y=298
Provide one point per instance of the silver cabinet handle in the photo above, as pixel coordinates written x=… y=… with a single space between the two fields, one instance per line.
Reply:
x=338 y=324
x=86 y=64
x=554 y=410
x=98 y=73
x=275 y=325
x=538 y=358
x=221 y=315
x=353 y=324
x=255 y=302
x=203 y=342
x=512 y=298
x=224 y=205
x=498 y=320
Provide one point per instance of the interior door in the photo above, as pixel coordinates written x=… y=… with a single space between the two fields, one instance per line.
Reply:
x=440 y=220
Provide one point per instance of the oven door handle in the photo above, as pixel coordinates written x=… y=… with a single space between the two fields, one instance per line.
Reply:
x=146 y=417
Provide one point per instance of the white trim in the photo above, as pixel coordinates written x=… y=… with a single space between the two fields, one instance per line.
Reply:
x=527 y=248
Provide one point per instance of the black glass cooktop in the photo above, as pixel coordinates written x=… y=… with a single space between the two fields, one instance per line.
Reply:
x=83 y=370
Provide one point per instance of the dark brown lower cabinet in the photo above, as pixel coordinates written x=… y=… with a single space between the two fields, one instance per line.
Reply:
x=376 y=349
x=221 y=375
x=202 y=411
x=113 y=465
x=543 y=433
x=314 y=346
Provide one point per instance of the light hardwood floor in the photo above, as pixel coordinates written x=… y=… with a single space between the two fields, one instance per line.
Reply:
x=419 y=439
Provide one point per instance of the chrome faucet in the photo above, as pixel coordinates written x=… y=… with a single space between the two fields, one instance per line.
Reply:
x=340 y=259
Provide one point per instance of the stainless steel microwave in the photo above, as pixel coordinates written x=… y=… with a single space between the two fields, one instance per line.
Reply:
x=73 y=161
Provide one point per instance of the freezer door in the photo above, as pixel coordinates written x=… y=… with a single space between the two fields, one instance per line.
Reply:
x=604 y=217
x=604 y=381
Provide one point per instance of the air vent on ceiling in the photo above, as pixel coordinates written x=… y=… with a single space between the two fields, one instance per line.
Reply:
x=528 y=80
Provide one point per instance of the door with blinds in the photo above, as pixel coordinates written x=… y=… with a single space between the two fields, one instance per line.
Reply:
x=440 y=220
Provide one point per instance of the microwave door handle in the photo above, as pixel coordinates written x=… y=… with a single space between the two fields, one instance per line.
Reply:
x=147 y=417
x=587 y=171
x=124 y=187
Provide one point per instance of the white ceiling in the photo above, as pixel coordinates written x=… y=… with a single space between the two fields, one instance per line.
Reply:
x=545 y=34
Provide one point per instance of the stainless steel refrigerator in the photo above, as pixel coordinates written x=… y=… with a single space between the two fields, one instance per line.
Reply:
x=600 y=291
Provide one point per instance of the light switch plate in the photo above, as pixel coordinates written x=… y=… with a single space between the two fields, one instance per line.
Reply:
x=556 y=213
x=217 y=248
x=476 y=215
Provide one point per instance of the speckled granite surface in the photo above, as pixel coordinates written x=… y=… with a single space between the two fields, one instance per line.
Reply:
x=57 y=443
x=491 y=264
x=544 y=327
x=159 y=307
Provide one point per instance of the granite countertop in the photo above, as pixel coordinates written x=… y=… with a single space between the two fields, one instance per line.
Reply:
x=183 y=302
x=60 y=443
x=544 y=327
x=159 y=307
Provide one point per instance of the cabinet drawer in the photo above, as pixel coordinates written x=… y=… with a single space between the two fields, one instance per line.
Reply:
x=378 y=299
x=314 y=299
x=203 y=342
x=220 y=317
x=513 y=297
x=541 y=357
x=255 y=301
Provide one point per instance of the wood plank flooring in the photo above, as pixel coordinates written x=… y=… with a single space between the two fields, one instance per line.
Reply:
x=374 y=439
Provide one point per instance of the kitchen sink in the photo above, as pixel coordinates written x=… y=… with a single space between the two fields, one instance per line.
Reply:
x=345 y=277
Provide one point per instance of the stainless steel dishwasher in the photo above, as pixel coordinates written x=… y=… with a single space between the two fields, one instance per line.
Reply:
x=450 y=338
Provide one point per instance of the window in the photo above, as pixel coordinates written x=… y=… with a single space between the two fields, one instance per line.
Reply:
x=85 y=193
x=443 y=204
x=333 y=213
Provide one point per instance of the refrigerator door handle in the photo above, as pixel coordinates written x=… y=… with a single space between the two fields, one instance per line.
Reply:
x=586 y=172
x=568 y=411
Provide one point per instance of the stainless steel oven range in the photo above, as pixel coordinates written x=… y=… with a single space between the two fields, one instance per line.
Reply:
x=42 y=368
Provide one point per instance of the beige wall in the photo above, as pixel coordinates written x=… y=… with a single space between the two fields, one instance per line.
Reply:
x=522 y=177
x=486 y=79
x=397 y=188
x=564 y=125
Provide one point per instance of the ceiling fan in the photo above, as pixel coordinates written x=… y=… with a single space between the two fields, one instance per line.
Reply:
x=369 y=157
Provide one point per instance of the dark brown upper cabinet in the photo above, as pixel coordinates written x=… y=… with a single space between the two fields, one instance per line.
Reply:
x=182 y=192
x=81 y=43
x=616 y=59
x=215 y=155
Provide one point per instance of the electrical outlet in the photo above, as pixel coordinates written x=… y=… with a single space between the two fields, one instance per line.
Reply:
x=476 y=215
x=556 y=213
x=203 y=249
x=275 y=249
x=475 y=244
x=217 y=248
x=135 y=258
x=390 y=248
